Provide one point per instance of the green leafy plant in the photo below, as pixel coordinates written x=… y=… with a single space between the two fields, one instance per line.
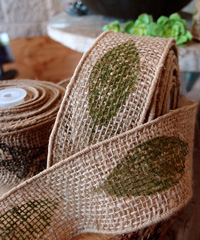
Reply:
x=173 y=26
x=113 y=26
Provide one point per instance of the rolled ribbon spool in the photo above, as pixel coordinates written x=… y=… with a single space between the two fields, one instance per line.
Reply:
x=27 y=114
x=12 y=96
x=120 y=83
x=129 y=174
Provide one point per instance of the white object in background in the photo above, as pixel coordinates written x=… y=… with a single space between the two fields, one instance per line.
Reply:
x=12 y=96
x=4 y=39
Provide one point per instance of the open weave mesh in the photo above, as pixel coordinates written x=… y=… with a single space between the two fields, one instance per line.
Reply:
x=25 y=130
x=118 y=172
x=71 y=187
x=120 y=83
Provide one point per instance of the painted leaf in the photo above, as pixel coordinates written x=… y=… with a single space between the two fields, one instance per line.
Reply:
x=19 y=159
x=111 y=81
x=27 y=221
x=151 y=167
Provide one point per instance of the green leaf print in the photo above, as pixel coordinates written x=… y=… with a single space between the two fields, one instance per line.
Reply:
x=27 y=221
x=149 y=168
x=111 y=81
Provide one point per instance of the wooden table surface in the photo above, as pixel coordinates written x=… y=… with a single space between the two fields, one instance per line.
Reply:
x=44 y=59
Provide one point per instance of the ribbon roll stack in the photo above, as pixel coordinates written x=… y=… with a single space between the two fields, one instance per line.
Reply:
x=25 y=129
x=120 y=151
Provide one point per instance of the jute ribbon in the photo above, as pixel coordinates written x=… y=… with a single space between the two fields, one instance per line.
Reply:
x=25 y=130
x=121 y=160
x=120 y=83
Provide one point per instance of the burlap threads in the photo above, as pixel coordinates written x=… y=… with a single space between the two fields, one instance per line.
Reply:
x=103 y=186
x=25 y=130
x=70 y=197
x=63 y=83
x=120 y=83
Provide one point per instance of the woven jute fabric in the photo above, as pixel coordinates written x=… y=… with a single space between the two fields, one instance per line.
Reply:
x=78 y=195
x=63 y=83
x=25 y=130
x=120 y=83
x=120 y=153
x=158 y=231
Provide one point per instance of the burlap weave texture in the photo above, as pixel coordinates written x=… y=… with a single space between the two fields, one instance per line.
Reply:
x=25 y=130
x=70 y=186
x=120 y=152
x=144 y=70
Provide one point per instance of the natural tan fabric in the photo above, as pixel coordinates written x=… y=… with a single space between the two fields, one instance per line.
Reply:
x=70 y=187
x=121 y=161
x=158 y=78
x=25 y=130
x=64 y=82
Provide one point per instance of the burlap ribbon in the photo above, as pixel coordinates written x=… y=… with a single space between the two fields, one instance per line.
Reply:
x=118 y=165
x=120 y=83
x=25 y=130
